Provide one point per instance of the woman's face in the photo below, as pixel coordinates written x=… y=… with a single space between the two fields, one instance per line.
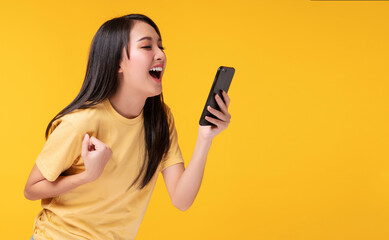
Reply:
x=136 y=74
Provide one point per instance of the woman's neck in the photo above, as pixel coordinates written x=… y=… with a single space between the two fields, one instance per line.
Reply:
x=127 y=105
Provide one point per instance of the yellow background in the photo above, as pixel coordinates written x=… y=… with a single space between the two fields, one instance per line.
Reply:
x=306 y=153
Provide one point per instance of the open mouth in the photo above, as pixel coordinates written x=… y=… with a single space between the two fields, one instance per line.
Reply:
x=156 y=72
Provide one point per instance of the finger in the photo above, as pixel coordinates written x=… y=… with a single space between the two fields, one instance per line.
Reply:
x=218 y=114
x=217 y=122
x=226 y=98
x=98 y=144
x=85 y=144
x=221 y=104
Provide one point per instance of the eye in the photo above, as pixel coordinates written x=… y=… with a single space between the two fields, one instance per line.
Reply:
x=149 y=47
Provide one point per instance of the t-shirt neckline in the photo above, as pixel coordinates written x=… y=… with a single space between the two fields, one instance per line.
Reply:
x=118 y=116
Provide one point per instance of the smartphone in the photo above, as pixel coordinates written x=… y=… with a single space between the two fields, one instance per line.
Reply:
x=222 y=82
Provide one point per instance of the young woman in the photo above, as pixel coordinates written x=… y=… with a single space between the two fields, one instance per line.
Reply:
x=100 y=163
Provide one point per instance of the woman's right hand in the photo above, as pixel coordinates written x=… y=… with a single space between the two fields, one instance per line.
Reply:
x=95 y=155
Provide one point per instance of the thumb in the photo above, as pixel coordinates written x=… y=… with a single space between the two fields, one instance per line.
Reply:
x=85 y=144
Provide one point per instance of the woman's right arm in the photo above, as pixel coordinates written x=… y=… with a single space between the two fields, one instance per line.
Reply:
x=38 y=187
x=95 y=155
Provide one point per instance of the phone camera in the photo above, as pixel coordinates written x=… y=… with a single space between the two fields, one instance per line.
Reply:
x=223 y=69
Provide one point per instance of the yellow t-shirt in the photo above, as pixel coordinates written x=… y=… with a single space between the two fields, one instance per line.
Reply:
x=105 y=208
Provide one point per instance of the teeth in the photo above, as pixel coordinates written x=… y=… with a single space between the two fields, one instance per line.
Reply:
x=159 y=69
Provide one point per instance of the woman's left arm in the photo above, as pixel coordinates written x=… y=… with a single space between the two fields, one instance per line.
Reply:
x=184 y=184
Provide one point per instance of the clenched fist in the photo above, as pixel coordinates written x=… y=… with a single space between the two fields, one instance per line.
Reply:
x=95 y=155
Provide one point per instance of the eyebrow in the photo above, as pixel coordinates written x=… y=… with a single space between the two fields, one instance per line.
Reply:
x=149 y=38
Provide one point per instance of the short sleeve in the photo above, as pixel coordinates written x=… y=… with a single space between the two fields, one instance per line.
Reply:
x=61 y=149
x=174 y=155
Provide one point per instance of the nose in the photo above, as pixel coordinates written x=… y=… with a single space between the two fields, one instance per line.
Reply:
x=159 y=54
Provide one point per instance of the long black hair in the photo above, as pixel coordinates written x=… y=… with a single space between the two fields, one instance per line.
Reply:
x=101 y=82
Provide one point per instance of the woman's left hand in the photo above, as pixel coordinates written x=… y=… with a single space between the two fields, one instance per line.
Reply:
x=222 y=120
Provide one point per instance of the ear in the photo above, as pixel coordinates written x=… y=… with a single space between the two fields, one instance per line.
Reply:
x=124 y=57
